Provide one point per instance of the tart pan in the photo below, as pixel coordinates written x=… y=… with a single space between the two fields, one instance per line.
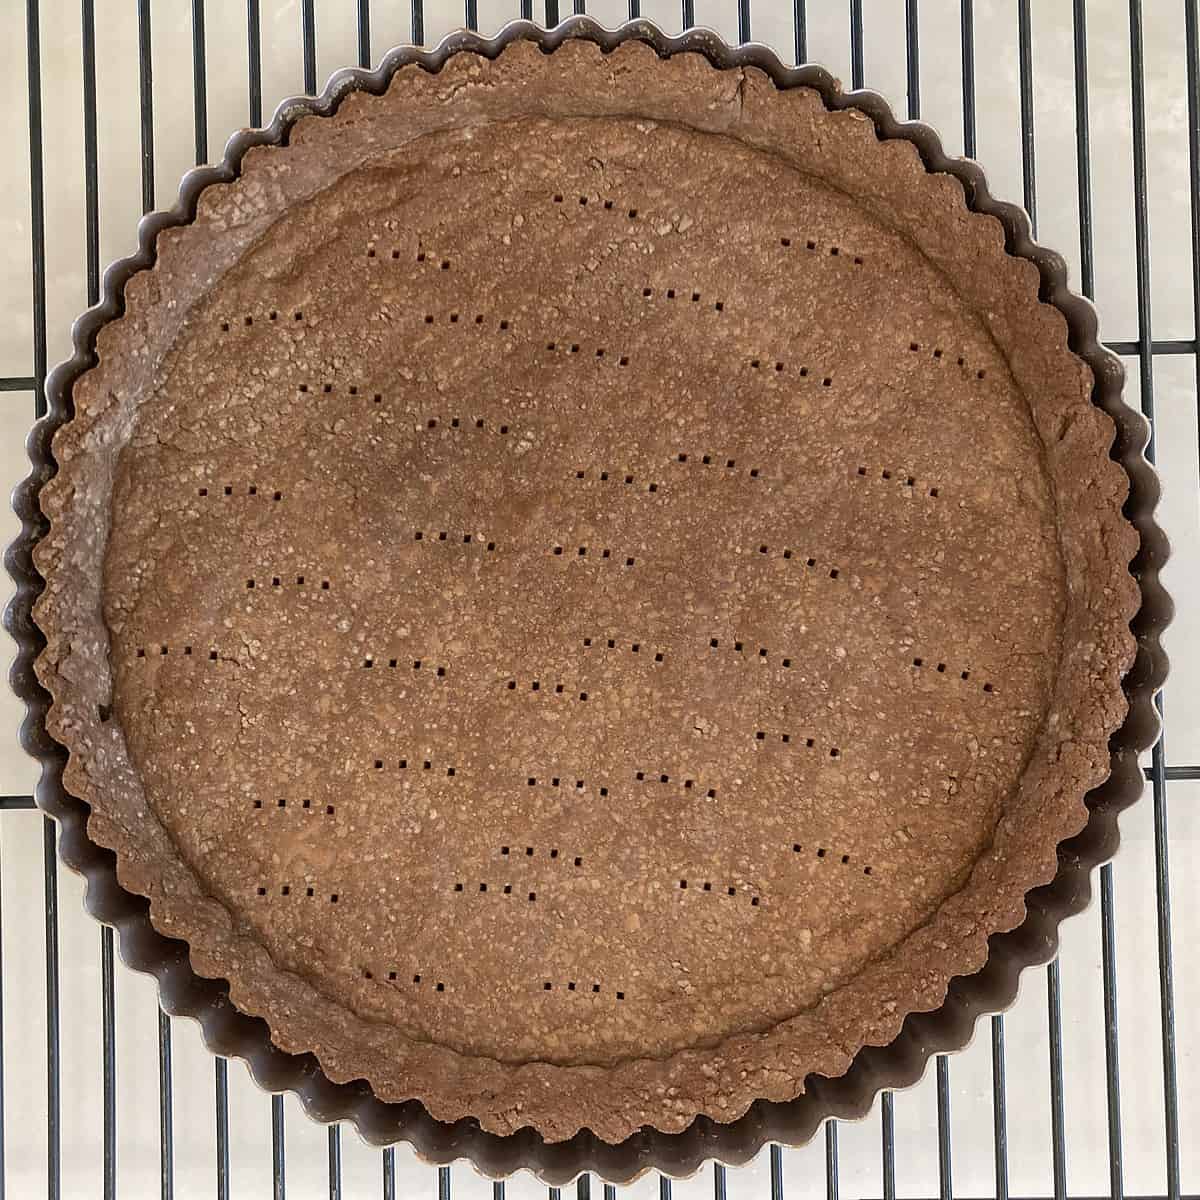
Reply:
x=898 y=1064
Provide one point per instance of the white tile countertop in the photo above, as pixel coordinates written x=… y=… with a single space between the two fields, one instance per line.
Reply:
x=164 y=1116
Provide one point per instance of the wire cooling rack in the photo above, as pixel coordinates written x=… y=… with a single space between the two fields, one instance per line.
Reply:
x=1089 y=111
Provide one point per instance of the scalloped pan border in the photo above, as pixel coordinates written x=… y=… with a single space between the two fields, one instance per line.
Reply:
x=232 y=1033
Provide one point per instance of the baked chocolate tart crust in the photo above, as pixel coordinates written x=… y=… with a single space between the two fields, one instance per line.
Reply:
x=512 y=368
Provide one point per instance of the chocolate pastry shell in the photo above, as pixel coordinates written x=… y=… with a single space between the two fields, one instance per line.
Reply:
x=851 y=1081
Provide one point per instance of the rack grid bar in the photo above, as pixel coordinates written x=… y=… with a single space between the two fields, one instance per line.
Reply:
x=254 y=60
x=1173 y=346
x=221 y=1116
x=945 y=1162
x=146 y=103
x=364 y=33
x=389 y=1177
x=1112 y=1061
x=887 y=1123
x=1058 y=1118
x=308 y=42
x=90 y=155
x=53 y=1014
x=334 y=1139
x=912 y=44
x=166 y=1109
x=966 y=19
x=418 y=21
x=37 y=204
x=856 y=44
x=1025 y=75
x=278 y=1155
x=1083 y=163
x=831 y=1160
x=108 y=1050
x=999 y=1109
x=199 y=83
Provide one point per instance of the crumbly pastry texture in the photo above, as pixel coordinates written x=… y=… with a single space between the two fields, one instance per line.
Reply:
x=586 y=587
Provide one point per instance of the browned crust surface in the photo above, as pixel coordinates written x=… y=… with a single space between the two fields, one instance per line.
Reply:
x=639 y=1072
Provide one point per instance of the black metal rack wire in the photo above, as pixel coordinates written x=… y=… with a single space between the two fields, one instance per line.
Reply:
x=1141 y=350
